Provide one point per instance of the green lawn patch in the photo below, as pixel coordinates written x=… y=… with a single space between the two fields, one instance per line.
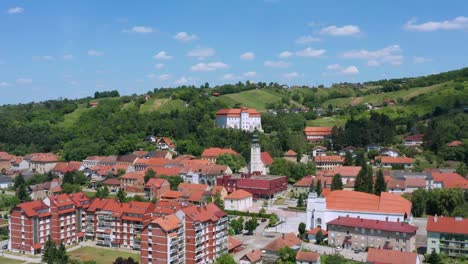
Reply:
x=252 y=99
x=328 y=121
x=10 y=261
x=101 y=255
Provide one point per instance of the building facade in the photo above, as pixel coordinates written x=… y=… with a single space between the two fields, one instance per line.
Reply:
x=260 y=186
x=328 y=162
x=317 y=134
x=238 y=200
x=448 y=235
x=243 y=119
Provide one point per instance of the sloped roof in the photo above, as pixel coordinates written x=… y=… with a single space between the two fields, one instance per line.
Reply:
x=374 y=224
x=151 y=162
x=344 y=171
x=155 y=182
x=396 y=160
x=209 y=212
x=415 y=137
x=111 y=181
x=215 y=152
x=172 y=194
x=238 y=194
x=335 y=158
x=286 y=240
x=444 y=224
x=236 y=112
x=290 y=153
x=168 y=222
x=307 y=256
x=455 y=143
x=133 y=175
x=450 y=180
x=306 y=181
x=44 y=157
x=32 y=208
x=266 y=158
x=232 y=243
x=192 y=186
x=318 y=131
x=315 y=231
x=416 y=182
x=254 y=255
x=383 y=256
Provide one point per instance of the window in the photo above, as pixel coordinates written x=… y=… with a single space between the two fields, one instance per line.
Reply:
x=372 y=231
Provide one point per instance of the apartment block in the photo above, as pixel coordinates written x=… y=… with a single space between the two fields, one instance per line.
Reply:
x=448 y=235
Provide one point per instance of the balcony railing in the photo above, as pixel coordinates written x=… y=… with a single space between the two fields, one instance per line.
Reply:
x=138 y=226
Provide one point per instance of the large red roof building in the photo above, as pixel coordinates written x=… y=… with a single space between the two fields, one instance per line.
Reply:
x=243 y=119
x=260 y=186
x=317 y=134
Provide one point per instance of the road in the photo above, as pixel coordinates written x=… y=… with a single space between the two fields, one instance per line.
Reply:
x=421 y=234
x=324 y=250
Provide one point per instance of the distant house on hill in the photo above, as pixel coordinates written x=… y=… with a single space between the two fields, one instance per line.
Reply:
x=165 y=143
x=317 y=134
x=414 y=140
x=389 y=102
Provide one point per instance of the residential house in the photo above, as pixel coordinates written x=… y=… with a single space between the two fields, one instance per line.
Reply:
x=243 y=119
x=388 y=152
x=113 y=184
x=303 y=185
x=448 y=235
x=5 y=182
x=165 y=143
x=41 y=162
x=155 y=188
x=133 y=181
x=270 y=251
x=311 y=234
x=252 y=257
x=303 y=257
x=238 y=200
x=151 y=139
x=290 y=155
x=349 y=149
x=63 y=167
x=389 y=162
x=361 y=233
x=328 y=162
x=347 y=173
x=449 y=180
x=234 y=245
x=192 y=192
x=414 y=140
x=319 y=151
x=382 y=256
x=219 y=190
x=211 y=154
x=317 y=134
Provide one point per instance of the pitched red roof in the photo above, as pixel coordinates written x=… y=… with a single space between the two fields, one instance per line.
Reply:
x=192 y=186
x=155 y=182
x=239 y=194
x=445 y=224
x=315 y=230
x=450 y=180
x=396 y=160
x=44 y=157
x=172 y=194
x=168 y=222
x=151 y=162
x=232 y=243
x=306 y=181
x=415 y=182
x=286 y=240
x=167 y=141
x=235 y=112
x=160 y=171
x=383 y=256
x=33 y=208
x=344 y=171
x=307 y=256
x=215 y=152
x=133 y=175
x=455 y=143
x=319 y=159
x=364 y=202
x=209 y=212
x=111 y=182
x=374 y=224
x=415 y=137
x=266 y=158
x=318 y=131
x=254 y=255
x=290 y=153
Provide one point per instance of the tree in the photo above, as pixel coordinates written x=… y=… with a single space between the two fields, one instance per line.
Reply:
x=121 y=260
x=22 y=194
x=319 y=237
x=287 y=255
x=217 y=200
x=48 y=255
x=337 y=183
x=19 y=180
x=418 y=199
x=237 y=226
x=121 y=195
x=61 y=256
x=318 y=187
x=262 y=211
x=274 y=219
x=234 y=161
x=149 y=174
x=251 y=225
x=461 y=169
x=301 y=229
x=380 y=184
x=348 y=159
x=433 y=258
x=335 y=259
x=364 y=181
x=312 y=186
x=300 y=201
x=225 y=259
x=174 y=181
x=68 y=178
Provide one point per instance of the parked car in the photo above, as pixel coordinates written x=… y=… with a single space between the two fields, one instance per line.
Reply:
x=338 y=248
x=357 y=250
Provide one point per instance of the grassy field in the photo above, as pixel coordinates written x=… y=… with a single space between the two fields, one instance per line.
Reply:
x=71 y=118
x=161 y=105
x=10 y=261
x=328 y=121
x=253 y=99
x=101 y=255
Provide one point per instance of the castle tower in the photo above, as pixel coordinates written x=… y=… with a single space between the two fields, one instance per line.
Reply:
x=256 y=163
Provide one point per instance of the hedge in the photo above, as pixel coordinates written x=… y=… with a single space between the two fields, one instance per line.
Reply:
x=251 y=214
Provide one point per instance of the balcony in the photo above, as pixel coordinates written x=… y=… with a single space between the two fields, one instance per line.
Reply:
x=138 y=226
x=198 y=227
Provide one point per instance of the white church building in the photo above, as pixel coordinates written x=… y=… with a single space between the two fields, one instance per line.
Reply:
x=390 y=207
x=244 y=118
x=259 y=161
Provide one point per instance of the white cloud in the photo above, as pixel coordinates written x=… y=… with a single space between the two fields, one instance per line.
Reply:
x=390 y=54
x=15 y=10
x=211 y=66
x=460 y=22
x=68 y=57
x=347 y=30
x=291 y=75
x=23 y=81
x=230 y=76
x=183 y=80
x=420 y=60
x=247 y=56
x=95 y=53
x=201 y=53
x=159 y=65
x=307 y=39
x=4 y=84
x=338 y=69
x=285 y=54
x=140 y=30
x=277 y=64
x=185 y=37
x=162 y=55
x=250 y=74
x=310 y=52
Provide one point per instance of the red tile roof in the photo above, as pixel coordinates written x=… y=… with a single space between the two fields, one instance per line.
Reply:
x=319 y=159
x=167 y=223
x=450 y=180
x=151 y=162
x=415 y=182
x=383 y=256
x=318 y=131
x=160 y=171
x=167 y=141
x=374 y=224
x=396 y=184
x=286 y=240
x=444 y=224
x=290 y=153
x=344 y=171
x=232 y=243
x=209 y=212
x=315 y=230
x=306 y=181
x=215 y=152
x=415 y=137
x=235 y=112
x=32 y=208
x=396 y=160
x=172 y=194
x=166 y=207
x=239 y=194
x=307 y=256
x=80 y=199
x=44 y=157
x=266 y=158
x=364 y=202
x=156 y=182
x=192 y=186
x=133 y=175
x=254 y=255
x=111 y=182
x=98 y=204
x=455 y=143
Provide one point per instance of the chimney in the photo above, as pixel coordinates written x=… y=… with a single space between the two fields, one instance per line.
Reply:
x=435 y=218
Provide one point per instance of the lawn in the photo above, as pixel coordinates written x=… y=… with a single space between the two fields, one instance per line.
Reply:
x=161 y=105
x=252 y=99
x=71 y=118
x=10 y=261
x=328 y=121
x=101 y=255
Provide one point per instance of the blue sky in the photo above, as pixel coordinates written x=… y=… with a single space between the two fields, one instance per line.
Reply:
x=70 y=49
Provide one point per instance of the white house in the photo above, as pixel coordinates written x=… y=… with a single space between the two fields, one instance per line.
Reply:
x=238 y=200
x=244 y=119
x=321 y=210
x=5 y=182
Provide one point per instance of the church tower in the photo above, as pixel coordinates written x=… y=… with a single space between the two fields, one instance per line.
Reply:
x=256 y=163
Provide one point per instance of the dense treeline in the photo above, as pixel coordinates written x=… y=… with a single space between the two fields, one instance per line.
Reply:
x=113 y=93
x=448 y=202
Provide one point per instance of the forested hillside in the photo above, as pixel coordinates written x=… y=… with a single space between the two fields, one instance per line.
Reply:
x=108 y=124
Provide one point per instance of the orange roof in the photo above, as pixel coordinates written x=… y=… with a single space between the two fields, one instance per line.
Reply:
x=166 y=207
x=254 y=255
x=450 y=180
x=239 y=194
x=172 y=194
x=290 y=153
x=217 y=189
x=133 y=175
x=232 y=243
x=318 y=131
x=172 y=171
x=156 y=182
x=444 y=224
x=61 y=200
x=455 y=143
x=383 y=256
x=235 y=112
x=306 y=181
x=134 y=207
x=209 y=212
x=396 y=160
x=44 y=157
x=168 y=222
x=344 y=171
x=167 y=141
x=98 y=204
x=193 y=195
x=307 y=256
x=364 y=202
x=151 y=162
x=111 y=181
x=286 y=240
x=266 y=158
x=215 y=152
x=32 y=208
x=319 y=159
x=192 y=186
x=315 y=230
x=415 y=182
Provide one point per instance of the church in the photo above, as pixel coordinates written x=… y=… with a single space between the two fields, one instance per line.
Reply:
x=259 y=161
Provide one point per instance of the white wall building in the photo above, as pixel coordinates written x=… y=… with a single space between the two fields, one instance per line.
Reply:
x=238 y=200
x=244 y=119
x=321 y=210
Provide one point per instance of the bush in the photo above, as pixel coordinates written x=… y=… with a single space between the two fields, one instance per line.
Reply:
x=251 y=214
